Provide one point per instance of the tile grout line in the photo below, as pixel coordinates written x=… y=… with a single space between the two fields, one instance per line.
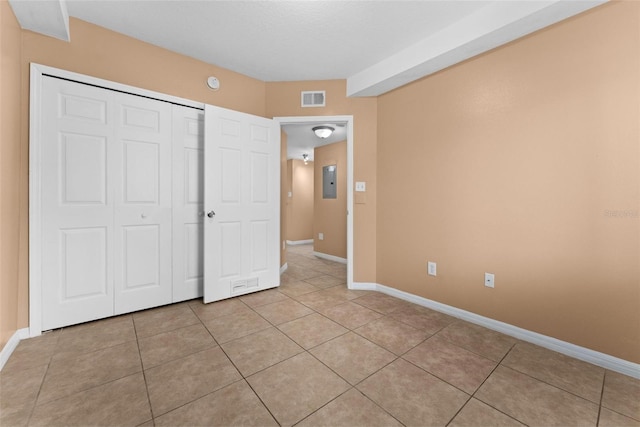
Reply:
x=35 y=402
x=551 y=385
x=472 y=396
x=308 y=351
x=351 y=386
x=243 y=378
x=144 y=375
x=604 y=378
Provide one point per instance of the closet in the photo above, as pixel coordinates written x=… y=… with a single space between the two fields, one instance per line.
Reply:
x=121 y=184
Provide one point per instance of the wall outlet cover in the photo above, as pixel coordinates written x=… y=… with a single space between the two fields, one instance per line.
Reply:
x=489 y=280
x=431 y=268
x=320 y=236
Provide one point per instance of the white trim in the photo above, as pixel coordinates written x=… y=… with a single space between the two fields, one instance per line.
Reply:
x=35 y=207
x=11 y=345
x=108 y=84
x=284 y=268
x=299 y=242
x=330 y=257
x=35 y=190
x=349 y=121
x=363 y=286
x=591 y=356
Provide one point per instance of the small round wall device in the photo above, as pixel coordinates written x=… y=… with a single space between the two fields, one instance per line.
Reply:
x=213 y=83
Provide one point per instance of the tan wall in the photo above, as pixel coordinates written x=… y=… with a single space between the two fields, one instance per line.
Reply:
x=300 y=204
x=10 y=212
x=98 y=52
x=284 y=187
x=331 y=214
x=523 y=162
x=283 y=99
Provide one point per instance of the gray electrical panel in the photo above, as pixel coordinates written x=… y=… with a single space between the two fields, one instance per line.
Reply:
x=329 y=182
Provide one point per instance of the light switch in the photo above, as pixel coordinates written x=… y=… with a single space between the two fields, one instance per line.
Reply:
x=361 y=186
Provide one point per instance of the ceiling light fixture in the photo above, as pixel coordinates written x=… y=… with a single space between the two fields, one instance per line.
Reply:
x=305 y=157
x=323 y=131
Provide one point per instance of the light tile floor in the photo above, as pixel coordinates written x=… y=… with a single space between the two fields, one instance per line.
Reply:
x=311 y=353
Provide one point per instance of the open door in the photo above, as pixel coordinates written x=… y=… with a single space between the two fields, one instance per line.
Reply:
x=242 y=203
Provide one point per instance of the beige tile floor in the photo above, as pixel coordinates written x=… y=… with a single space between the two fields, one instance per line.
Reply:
x=311 y=353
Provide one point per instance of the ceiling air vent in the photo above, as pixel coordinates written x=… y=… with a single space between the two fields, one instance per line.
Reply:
x=312 y=98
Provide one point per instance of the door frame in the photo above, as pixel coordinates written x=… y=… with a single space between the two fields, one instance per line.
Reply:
x=349 y=122
x=37 y=72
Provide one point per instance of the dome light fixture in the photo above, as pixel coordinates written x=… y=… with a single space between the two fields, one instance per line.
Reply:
x=305 y=157
x=323 y=132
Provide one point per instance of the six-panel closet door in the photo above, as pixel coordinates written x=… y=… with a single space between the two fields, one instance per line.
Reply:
x=142 y=221
x=78 y=202
x=107 y=202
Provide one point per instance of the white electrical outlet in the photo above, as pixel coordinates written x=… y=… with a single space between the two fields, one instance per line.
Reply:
x=320 y=236
x=489 y=280
x=431 y=268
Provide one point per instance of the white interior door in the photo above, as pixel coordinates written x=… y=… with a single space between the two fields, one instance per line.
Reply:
x=77 y=202
x=188 y=202
x=242 y=203
x=142 y=174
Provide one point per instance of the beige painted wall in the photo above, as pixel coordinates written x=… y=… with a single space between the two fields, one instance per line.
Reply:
x=523 y=162
x=10 y=212
x=300 y=204
x=283 y=99
x=331 y=214
x=98 y=52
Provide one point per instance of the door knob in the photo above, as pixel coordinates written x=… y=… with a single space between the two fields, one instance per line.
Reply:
x=211 y=214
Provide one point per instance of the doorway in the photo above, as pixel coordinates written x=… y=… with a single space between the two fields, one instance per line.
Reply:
x=347 y=123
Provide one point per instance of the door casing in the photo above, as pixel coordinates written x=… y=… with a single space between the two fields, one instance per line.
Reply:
x=348 y=120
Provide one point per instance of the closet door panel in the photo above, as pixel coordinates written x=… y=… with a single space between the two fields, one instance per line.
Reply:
x=142 y=174
x=77 y=203
x=188 y=158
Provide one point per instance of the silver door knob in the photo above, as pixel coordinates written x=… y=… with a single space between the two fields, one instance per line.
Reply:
x=211 y=214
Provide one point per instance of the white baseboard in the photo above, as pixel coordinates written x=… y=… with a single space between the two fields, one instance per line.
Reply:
x=284 y=267
x=11 y=345
x=330 y=257
x=591 y=356
x=299 y=242
x=362 y=286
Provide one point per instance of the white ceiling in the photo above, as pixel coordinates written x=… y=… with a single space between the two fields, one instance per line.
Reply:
x=376 y=45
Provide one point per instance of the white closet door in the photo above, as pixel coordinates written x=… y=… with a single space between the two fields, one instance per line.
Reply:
x=77 y=202
x=188 y=199
x=142 y=174
x=242 y=201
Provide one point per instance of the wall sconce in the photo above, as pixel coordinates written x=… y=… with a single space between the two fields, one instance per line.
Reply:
x=323 y=131
x=305 y=157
